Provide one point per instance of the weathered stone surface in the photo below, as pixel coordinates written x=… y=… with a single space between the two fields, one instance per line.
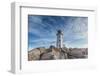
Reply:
x=78 y=53
x=55 y=53
x=47 y=56
x=34 y=54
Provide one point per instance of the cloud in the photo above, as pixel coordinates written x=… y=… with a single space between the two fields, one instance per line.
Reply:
x=42 y=30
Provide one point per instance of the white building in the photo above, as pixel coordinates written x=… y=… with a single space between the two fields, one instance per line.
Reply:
x=59 y=39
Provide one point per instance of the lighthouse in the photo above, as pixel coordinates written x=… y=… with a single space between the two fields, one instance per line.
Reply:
x=59 y=39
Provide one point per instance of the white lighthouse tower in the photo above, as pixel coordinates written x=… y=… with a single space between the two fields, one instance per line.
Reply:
x=59 y=39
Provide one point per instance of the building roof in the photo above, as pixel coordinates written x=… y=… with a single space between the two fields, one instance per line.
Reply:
x=59 y=32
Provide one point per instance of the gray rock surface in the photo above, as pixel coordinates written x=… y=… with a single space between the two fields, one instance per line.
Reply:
x=53 y=53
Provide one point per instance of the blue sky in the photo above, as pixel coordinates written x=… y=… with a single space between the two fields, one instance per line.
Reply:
x=42 y=31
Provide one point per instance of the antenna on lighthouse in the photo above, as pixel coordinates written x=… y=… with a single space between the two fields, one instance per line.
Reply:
x=59 y=39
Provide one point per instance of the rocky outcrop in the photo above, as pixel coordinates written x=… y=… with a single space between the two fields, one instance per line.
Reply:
x=53 y=53
x=77 y=53
x=34 y=54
